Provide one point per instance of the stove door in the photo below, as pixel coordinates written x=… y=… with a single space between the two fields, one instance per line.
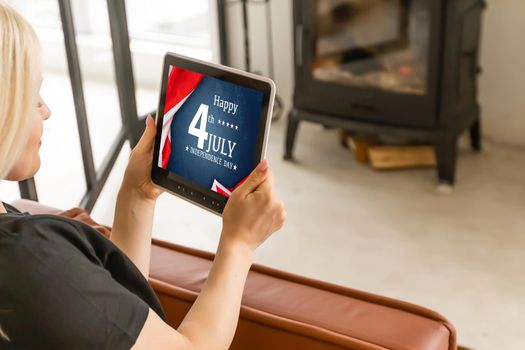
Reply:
x=372 y=60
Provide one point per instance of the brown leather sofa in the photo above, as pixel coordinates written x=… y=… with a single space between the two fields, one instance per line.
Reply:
x=284 y=311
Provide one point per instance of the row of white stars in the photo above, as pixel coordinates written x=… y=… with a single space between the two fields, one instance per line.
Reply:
x=228 y=125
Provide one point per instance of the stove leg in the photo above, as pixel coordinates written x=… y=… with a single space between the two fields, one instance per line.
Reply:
x=446 y=154
x=475 y=135
x=291 y=132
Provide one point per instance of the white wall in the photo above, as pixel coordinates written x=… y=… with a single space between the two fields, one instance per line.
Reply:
x=502 y=85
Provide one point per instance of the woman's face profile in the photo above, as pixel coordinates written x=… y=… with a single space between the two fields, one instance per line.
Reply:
x=29 y=162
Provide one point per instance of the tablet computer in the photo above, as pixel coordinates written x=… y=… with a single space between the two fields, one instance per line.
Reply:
x=212 y=123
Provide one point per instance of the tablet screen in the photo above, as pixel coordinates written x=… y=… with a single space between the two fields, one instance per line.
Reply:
x=209 y=130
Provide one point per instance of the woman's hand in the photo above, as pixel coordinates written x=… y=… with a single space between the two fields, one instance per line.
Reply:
x=136 y=203
x=253 y=212
x=137 y=178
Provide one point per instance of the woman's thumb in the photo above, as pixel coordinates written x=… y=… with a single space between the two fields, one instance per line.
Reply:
x=148 y=137
x=253 y=181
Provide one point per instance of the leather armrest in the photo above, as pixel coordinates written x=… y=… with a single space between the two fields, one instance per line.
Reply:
x=32 y=207
x=79 y=214
x=285 y=311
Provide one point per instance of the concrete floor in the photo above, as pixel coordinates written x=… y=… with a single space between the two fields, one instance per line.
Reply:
x=391 y=233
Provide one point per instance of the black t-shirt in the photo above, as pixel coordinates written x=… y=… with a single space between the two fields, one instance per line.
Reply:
x=63 y=285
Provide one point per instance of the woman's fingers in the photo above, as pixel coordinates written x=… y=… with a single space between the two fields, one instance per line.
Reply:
x=258 y=175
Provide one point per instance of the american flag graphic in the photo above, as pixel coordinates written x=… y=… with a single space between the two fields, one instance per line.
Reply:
x=225 y=191
x=181 y=84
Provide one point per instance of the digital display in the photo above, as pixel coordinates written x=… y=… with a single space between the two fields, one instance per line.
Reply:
x=209 y=130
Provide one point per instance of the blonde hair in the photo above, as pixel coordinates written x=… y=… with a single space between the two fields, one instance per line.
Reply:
x=20 y=73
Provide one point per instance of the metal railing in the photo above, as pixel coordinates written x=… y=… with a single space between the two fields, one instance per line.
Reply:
x=132 y=127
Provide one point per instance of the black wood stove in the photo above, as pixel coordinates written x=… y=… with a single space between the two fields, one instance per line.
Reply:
x=406 y=68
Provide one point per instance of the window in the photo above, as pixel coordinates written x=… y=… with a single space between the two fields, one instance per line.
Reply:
x=176 y=21
x=168 y=24
x=42 y=13
x=154 y=27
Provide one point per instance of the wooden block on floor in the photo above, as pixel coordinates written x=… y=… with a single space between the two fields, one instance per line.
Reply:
x=399 y=157
x=360 y=147
x=359 y=144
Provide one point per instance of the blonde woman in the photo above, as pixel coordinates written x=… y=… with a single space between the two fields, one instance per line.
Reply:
x=65 y=286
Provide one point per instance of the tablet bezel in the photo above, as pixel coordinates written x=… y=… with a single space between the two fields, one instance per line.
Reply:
x=180 y=186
